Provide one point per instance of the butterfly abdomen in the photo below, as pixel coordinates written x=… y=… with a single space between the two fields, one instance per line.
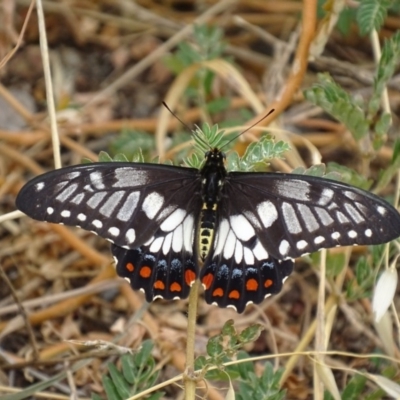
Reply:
x=205 y=236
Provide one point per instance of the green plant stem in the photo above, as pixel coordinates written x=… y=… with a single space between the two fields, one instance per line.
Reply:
x=190 y=381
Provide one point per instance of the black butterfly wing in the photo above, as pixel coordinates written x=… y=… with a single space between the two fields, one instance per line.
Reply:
x=148 y=211
x=299 y=214
x=266 y=220
x=125 y=203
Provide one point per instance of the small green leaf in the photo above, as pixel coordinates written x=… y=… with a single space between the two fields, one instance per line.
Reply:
x=120 y=157
x=214 y=346
x=251 y=333
x=144 y=353
x=110 y=389
x=371 y=14
x=337 y=102
x=104 y=157
x=119 y=381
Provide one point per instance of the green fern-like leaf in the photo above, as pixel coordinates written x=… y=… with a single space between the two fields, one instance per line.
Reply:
x=337 y=102
x=371 y=14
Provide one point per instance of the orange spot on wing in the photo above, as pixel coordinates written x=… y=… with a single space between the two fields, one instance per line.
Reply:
x=190 y=277
x=130 y=267
x=207 y=280
x=175 y=287
x=252 y=285
x=145 y=271
x=159 y=285
x=234 y=294
x=268 y=283
x=218 y=292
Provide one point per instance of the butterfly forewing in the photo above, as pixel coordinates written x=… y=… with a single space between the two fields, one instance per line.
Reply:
x=294 y=215
x=125 y=203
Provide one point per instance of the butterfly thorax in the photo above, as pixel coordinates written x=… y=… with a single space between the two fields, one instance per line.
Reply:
x=213 y=176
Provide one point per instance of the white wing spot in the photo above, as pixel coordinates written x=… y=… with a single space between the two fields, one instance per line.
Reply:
x=238 y=252
x=350 y=195
x=188 y=232
x=293 y=189
x=78 y=198
x=352 y=234
x=335 y=235
x=175 y=219
x=308 y=217
x=342 y=218
x=381 y=210
x=259 y=252
x=96 y=179
x=177 y=241
x=65 y=213
x=319 y=240
x=241 y=227
x=68 y=192
x=156 y=245
x=129 y=206
x=167 y=243
x=130 y=235
x=368 y=233
x=39 y=186
x=96 y=199
x=221 y=236
x=248 y=256
x=127 y=176
x=152 y=204
x=302 y=244
x=267 y=213
x=72 y=175
x=325 y=218
x=290 y=218
x=284 y=247
x=354 y=214
x=113 y=231
x=326 y=197
x=229 y=245
x=111 y=203
x=82 y=217
x=50 y=210
x=98 y=224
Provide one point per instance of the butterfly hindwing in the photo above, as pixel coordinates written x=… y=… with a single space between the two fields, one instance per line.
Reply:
x=239 y=270
x=165 y=266
x=125 y=203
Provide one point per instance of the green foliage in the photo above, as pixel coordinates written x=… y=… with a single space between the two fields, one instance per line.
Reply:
x=387 y=175
x=223 y=347
x=349 y=176
x=264 y=387
x=371 y=14
x=257 y=152
x=132 y=143
x=137 y=373
x=318 y=170
x=362 y=118
x=337 y=102
x=388 y=63
x=207 y=44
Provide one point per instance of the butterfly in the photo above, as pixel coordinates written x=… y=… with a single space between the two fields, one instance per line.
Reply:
x=243 y=228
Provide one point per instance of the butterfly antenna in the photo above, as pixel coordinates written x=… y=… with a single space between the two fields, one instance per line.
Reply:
x=186 y=125
x=250 y=127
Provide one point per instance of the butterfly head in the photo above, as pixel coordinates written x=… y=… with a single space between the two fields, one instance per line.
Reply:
x=215 y=157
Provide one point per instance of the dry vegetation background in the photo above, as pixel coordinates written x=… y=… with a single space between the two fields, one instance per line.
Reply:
x=109 y=75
